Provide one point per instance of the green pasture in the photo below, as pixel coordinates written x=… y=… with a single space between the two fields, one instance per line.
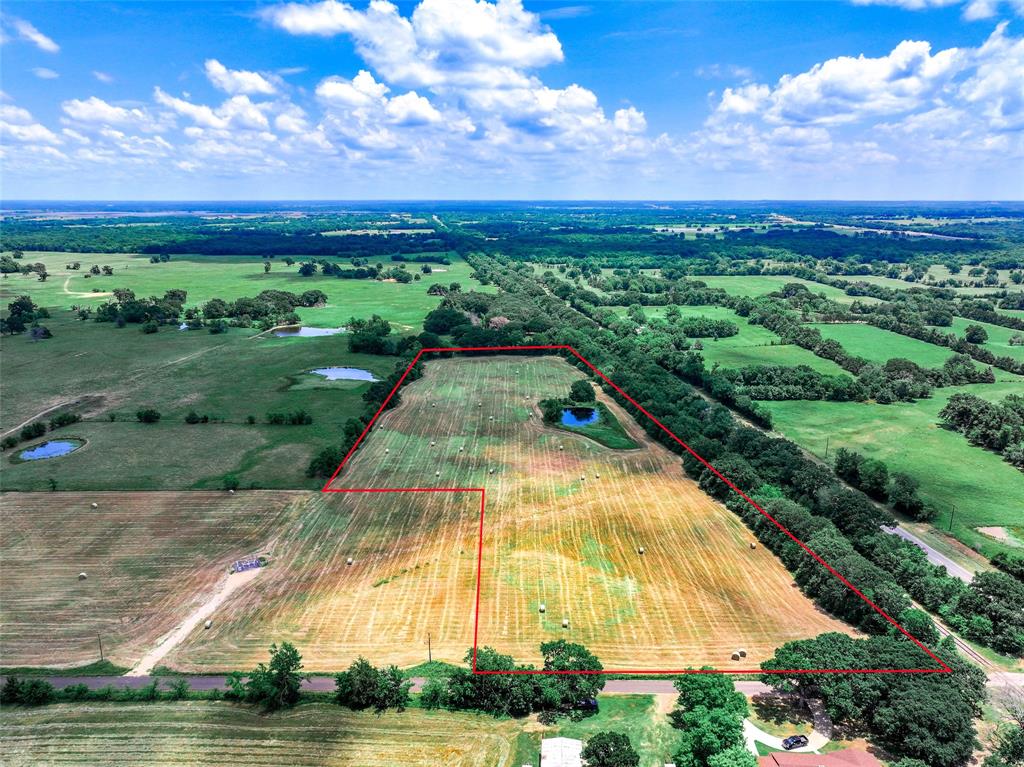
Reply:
x=758 y=285
x=753 y=345
x=877 y=345
x=909 y=437
x=998 y=337
x=114 y=371
x=231 y=277
x=650 y=732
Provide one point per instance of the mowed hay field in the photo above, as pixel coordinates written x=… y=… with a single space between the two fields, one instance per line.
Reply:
x=150 y=560
x=216 y=734
x=696 y=594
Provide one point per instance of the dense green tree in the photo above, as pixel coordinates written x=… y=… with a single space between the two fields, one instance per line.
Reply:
x=610 y=749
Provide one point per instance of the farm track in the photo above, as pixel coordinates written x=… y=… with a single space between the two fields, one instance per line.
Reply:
x=550 y=537
x=150 y=559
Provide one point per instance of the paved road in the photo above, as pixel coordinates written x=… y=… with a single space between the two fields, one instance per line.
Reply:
x=955 y=570
x=326 y=683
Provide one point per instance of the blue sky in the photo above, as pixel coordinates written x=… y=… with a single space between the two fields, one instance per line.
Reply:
x=898 y=99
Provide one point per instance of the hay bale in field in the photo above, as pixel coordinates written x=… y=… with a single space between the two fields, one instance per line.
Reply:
x=561 y=448
x=82 y=576
x=387 y=450
x=431 y=443
x=231 y=492
x=583 y=479
x=348 y=561
x=437 y=474
x=94 y=505
x=461 y=449
x=597 y=476
x=565 y=623
x=542 y=607
x=753 y=545
x=736 y=656
x=640 y=550
x=207 y=624
x=491 y=471
x=743 y=653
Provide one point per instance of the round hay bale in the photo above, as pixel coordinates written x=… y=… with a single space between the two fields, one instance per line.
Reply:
x=387 y=450
x=735 y=656
x=207 y=624
x=565 y=623
x=597 y=476
x=82 y=576
x=94 y=505
x=640 y=550
x=231 y=492
x=542 y=607
x=561 y=448
x=348 y=561
x=743 y=653
x=753 y=545
x=491 y=471
x=437 y=474
x=461 y=449
x=431 y=443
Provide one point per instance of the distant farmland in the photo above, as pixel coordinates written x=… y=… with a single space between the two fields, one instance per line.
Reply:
x=696 y=593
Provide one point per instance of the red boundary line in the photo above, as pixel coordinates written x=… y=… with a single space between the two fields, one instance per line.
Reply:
x=944 y=669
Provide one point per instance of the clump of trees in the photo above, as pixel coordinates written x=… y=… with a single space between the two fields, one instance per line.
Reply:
x=364 y=686
x=872 y=476
x=22 y=314
x=996 y=426
x=296 y=418
x=928 y=717
x=610 y=749
x=710 y=713
x=520 y=694
x=274 y=685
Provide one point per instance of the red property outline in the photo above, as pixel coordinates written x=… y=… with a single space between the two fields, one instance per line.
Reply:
x=944 y=669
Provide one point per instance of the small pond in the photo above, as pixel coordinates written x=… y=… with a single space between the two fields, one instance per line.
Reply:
x=51 y=449
x=344 y=374
x=307 y=332
x=579 y=416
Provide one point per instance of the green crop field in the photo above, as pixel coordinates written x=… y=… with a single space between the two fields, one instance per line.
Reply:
x=116 y=371
x=877 y=345
x=909 y=437
x=216 y=734
x=231 y=277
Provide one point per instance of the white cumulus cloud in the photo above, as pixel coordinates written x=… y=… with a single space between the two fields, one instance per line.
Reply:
x=237 y=81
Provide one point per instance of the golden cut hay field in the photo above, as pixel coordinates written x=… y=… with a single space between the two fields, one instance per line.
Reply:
x=565 y=518
x=149 y=558
x=215 y=734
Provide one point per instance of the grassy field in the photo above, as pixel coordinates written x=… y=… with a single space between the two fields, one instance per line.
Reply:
x=150 y=558
x=753 y=345
x=216 y=734
x=642 y=717
x=759 y=285
x=998 y=337
x=231 y=277
x=909 y=438
x=550 y=537
x=877 y=345
x=111 y=371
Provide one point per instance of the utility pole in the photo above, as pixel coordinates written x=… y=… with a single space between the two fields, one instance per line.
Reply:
x=429 y=655
x=100 y=640
x=952 y=511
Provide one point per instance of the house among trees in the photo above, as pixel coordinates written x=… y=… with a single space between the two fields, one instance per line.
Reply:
x=561 y=752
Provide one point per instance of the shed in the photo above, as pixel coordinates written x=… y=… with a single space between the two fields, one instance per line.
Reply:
x=561 y=752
